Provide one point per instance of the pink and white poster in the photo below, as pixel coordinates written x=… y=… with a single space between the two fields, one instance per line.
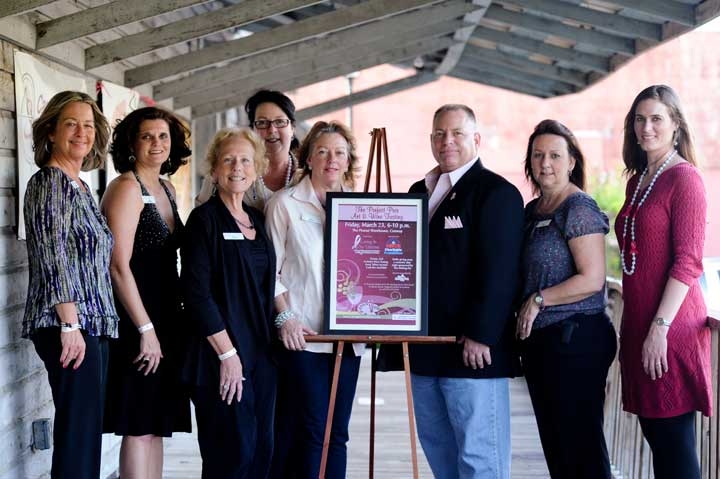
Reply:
x=376 y=264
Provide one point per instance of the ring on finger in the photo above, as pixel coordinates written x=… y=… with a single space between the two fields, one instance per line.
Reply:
x=225 y=387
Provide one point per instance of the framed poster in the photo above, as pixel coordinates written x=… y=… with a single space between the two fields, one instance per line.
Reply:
x=376 y=257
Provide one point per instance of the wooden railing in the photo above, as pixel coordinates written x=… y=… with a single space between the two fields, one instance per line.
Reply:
x=629 y=453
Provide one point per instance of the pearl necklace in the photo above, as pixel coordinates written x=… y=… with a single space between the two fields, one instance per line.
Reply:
x=288 y=176
x=633 y=247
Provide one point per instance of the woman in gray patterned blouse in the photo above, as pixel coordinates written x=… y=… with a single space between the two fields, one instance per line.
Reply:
x=70 y=312
x=569 y=342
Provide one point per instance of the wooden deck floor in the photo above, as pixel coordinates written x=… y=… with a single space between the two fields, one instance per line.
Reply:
x=392 y=442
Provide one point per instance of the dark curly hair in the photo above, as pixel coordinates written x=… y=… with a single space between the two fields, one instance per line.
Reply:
x=554 y=127
x=126 y=132
x=276 y=98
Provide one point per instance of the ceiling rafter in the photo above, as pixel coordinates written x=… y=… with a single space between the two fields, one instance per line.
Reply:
x=668 y=10
x=599 y=40
x=9 y=8
x=256 y=79
x=235 y=49
x=101 y=18
x=527 y=80
x=499 y=82
x=616 y=24
x=569 y=55
x=523 y=64
x=311 y=48
x=379 y=91
x=197 y=26
x=391 y=56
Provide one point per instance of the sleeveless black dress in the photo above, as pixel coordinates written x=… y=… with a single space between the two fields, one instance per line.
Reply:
x=155 y=404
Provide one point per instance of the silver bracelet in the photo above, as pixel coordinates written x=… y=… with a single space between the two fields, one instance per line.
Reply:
x=145 y=327
x=227 y=354
x=69 y=327
x=283 y=317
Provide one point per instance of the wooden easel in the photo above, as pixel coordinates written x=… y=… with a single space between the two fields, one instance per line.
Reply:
x=375 y=340
x=378 y=155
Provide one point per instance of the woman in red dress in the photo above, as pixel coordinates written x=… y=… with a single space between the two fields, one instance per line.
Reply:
x=664 y=340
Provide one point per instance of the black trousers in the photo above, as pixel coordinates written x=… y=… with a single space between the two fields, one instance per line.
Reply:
x=79 y=397
x=236 y=440
x=566 y=366
x=672 y=442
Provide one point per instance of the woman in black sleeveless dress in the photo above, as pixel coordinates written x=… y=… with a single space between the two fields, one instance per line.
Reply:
x=145 y=400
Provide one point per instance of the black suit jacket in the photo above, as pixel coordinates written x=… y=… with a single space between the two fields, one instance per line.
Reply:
x=222 y=291
x=474 y=275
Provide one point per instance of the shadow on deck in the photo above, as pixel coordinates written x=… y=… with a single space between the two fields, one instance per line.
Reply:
x=392 y=441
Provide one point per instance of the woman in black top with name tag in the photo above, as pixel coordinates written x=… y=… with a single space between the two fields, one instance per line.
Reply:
x=145 y=399
x=228 y=282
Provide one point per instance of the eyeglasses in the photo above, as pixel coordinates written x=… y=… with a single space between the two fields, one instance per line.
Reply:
x=265 y=124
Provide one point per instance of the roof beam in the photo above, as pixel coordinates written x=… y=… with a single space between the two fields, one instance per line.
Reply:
x=525 y=65
x=527 y=80
x=15 y=7
x=390 y=56
x=452 y=57
x=269 y=39
x=499 y=82
x=196 y=26
x=666 y=10
x=366 y=95
x=103 y=17
x=312 y=48
x=569 y=55
x=527 y=21
x=306 y=66
x=616 y=24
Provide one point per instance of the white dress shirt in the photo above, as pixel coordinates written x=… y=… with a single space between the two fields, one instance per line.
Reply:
x=439 y=184
x=295 y=221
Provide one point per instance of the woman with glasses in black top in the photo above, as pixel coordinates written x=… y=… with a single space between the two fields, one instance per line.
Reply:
x=272 y=115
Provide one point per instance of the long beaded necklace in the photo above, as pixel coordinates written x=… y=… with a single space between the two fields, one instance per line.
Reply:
x=628 y=213
x=261 y=182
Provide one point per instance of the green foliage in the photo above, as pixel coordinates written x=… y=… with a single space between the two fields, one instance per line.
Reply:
x=608 y=189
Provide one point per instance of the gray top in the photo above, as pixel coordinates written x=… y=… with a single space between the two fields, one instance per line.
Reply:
x=547 y=259
x=69 y=246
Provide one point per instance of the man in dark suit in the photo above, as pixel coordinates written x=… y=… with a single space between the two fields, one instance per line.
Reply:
x=461 y=390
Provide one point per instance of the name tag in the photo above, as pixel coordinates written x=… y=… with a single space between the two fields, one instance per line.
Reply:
x=148 y=199
x=233 y=236
x=311 y=219
x=543 y=223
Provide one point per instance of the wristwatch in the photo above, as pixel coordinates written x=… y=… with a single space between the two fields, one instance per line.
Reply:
x=539 y=300
x=662 y=322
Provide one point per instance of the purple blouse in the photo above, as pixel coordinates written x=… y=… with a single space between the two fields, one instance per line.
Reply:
x=547 y=259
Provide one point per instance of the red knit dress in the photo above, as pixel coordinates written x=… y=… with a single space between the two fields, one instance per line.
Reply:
x=669 y=234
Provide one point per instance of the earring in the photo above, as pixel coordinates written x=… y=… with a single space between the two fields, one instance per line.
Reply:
x=675 y=137
x=131 y=158
x=570 y=172
x=48 y=150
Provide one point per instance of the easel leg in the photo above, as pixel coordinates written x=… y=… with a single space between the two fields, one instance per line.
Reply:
x=331 y=409
x=373 y=370
x=411 y=408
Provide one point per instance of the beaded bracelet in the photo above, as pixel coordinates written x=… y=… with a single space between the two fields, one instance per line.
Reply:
x=282 y=317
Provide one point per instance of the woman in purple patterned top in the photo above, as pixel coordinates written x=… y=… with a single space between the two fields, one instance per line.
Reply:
x=70 y=312
x=568 y=341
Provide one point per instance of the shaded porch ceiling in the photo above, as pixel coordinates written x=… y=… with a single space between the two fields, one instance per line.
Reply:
x=210 y=56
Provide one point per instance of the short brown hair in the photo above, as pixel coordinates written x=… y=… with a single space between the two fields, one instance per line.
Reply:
x=46 y=123
x=321 y=128
x=554 y=127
